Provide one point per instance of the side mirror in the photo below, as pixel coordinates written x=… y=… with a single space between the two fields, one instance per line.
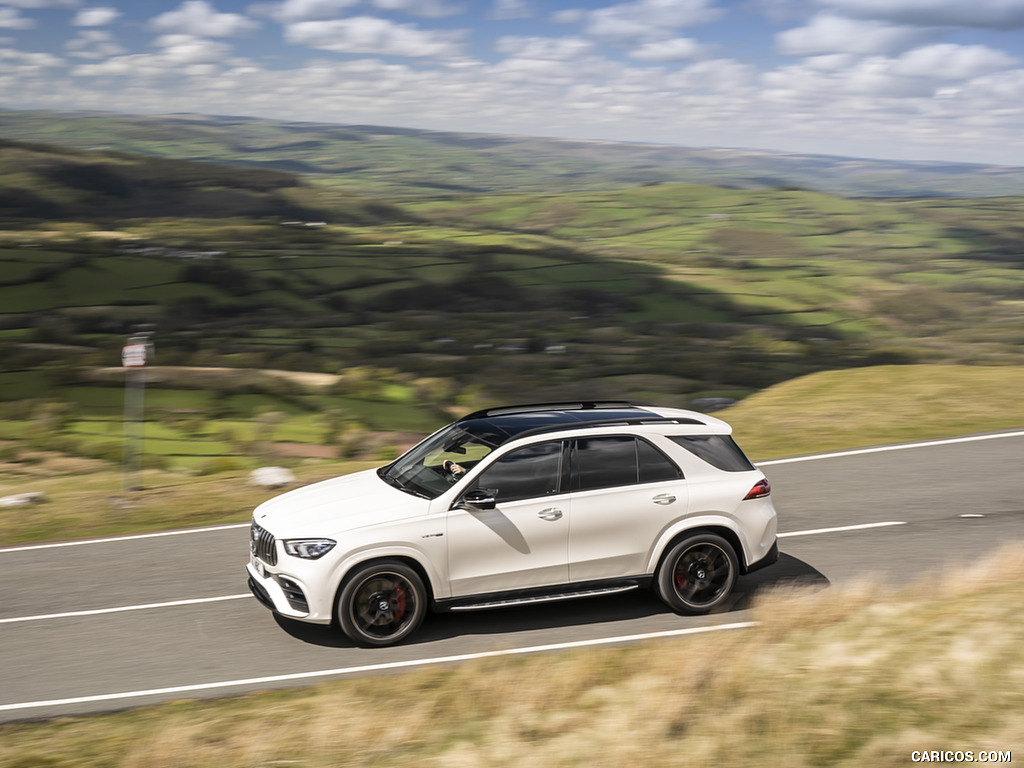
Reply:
x=480 y=499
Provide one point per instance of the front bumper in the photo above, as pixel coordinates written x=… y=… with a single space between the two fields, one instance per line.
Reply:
x=284 y=594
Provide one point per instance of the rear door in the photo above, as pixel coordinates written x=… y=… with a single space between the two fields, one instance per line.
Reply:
x=624 y=493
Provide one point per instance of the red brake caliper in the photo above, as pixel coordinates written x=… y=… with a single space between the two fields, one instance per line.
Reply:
x=399 y=602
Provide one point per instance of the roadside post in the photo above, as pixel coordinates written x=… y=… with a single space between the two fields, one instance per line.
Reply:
x=134 y=355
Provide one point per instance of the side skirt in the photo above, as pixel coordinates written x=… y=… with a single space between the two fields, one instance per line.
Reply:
x=542 y=595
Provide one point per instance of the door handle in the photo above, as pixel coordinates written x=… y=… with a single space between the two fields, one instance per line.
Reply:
x=664 y=498
x=550 y=514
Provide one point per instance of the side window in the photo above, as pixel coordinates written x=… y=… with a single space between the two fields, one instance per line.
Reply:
x=655 y=466
x=525 y=473
x=719 y=451
x=603 y=462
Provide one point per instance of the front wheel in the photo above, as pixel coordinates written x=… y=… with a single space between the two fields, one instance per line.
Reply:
x=381 y=603
x=698 y=573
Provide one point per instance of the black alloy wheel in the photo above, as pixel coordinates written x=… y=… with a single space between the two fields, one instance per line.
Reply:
x=381 y=603
x=698 y=573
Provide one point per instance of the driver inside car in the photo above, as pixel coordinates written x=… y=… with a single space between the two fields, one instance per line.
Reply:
x=453 y=469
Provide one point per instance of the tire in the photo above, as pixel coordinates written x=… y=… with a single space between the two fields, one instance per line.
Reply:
x=381 y=603
x=698 y=573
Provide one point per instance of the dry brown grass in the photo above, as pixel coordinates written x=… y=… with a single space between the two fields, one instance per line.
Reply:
x=851 y=676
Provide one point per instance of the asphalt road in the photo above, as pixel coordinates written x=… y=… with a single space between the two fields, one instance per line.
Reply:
x=106 y=625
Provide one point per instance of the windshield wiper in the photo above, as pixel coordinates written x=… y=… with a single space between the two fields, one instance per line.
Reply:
x=393 y=480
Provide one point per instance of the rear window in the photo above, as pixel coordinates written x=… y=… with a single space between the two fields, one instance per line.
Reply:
x=719 y=451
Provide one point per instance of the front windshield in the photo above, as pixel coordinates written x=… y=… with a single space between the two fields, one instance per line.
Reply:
x=436 y=464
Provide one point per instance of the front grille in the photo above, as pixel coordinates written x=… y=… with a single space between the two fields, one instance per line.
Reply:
x=263 y=544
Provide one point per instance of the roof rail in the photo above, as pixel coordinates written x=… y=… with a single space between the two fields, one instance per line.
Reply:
x=574 y=405
x=608 y=423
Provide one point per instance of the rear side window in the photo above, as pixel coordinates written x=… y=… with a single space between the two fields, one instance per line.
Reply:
x=719 y=451
x=605 y=462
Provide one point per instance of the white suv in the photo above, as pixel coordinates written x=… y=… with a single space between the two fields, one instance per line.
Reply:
x=520 y=505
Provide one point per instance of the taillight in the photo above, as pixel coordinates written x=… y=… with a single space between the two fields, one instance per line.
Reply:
x=761 y=488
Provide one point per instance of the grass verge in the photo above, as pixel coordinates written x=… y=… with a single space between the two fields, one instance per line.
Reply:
x=95 y=504
x=836 y=410
x=849 y=676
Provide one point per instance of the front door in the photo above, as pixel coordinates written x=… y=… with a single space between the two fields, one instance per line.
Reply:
x=523 y=542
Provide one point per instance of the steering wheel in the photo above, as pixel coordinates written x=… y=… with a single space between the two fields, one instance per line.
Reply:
x=451 y=471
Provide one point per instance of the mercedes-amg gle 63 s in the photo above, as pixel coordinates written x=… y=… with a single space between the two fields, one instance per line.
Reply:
x=519 y=505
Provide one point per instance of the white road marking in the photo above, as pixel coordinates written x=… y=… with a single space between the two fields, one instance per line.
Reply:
x=887 y=448
x=794 y=460
x=122 y=609
x=199 y=601
x=373 y=667
x=840 y=529
x=134 y=537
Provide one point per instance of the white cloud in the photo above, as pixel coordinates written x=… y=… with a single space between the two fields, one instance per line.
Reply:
x=292 y=11
x=826 y=34
x=365 y=34
x=10 y=18
x=649 y=19
x=984 y=14
x=549 y=64
x=568 y=16
x=26 y=62
x=549 y=48
x=95 y=17
x=197 y=17
x=42 y=3
x=715 y=75
x=953 y=62
x=677 y=49
x=94 y=44
x=830 y=62
x=921 y=74
x=180 y=54
x=512 y=9
x=430 y=8
x=189 y=49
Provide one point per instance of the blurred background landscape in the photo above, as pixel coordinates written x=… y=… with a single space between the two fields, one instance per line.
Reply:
x=422 y=272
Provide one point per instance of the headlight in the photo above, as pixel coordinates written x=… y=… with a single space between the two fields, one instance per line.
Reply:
x=308 y=549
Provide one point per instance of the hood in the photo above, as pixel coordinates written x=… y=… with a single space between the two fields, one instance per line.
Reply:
x=337 y=505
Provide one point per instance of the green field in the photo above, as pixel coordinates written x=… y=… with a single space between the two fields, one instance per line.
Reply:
x=505 y=296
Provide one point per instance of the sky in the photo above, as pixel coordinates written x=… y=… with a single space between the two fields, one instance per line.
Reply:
x=939 y=80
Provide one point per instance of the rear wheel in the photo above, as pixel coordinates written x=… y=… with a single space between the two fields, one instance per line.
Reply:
x=381 y=603
x=698 y=573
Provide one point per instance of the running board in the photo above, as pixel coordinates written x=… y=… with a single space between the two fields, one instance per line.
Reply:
x=536 y=599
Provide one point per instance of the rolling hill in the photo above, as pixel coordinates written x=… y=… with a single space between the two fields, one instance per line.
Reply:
x=402 y=163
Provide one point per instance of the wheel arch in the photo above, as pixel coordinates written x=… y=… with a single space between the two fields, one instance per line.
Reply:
x=724 y=531
x=404 y=559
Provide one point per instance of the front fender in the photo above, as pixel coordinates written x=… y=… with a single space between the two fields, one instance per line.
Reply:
x=425 y=561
